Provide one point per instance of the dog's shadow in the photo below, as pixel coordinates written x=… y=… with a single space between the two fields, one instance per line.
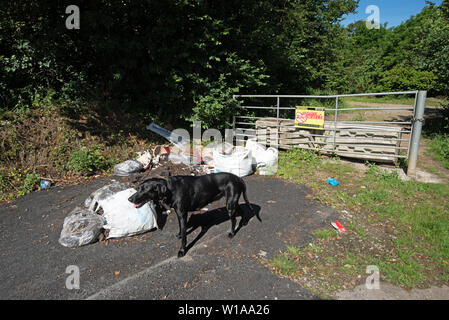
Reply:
x=217 y=216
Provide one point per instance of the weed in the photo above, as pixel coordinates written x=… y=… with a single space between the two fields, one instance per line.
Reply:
x=85 y=161
x=324 y=234
x=284 y=265
x=358 y=117
x=314 y=248
x=439 y=147
x=357 y=229
x=294 y=251
x=30 y=184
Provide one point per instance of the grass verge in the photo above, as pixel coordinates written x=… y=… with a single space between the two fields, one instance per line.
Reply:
x=402 y=227
x=439 y=148
x=401 y=99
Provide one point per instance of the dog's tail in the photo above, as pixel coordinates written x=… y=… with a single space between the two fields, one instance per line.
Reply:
x=245 y=197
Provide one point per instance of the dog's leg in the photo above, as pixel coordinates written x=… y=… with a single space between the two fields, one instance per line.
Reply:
x=182 y=217
x=231 y=208
x=178 y=235
x=244 y=220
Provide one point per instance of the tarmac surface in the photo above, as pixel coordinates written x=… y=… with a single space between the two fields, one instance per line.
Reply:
x=33 y=264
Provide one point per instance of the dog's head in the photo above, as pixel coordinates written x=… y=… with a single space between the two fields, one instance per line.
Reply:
x=152 y=189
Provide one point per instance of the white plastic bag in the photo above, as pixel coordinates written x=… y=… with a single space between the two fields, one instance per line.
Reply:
x=239 y=162
x=257 y=151
x=127 y=167
x=81 y=227
x=268 y=164
x=104 y=192
x=265 y=160
x=123 y=219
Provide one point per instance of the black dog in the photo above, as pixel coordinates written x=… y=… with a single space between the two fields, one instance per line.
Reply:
x=188 y=193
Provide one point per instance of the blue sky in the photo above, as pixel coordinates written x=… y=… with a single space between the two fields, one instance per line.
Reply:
x=392 y=11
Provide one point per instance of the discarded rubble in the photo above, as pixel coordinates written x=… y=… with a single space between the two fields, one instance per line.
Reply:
x=109 y=214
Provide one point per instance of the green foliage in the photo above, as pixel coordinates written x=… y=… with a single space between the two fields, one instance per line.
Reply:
x=407 y=79
x=177 y=60
x=411 y=56
x=412 y=252
x=30 y=183
x=85 y=161
x=22 y=181
x=439 y=146
x=324 y=233
x=215 y=106
x=284 y=265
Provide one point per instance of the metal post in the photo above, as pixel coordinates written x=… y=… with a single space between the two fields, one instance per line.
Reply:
x=277 y=117
x=335 y=123
x=418 y=119
x=411 y=125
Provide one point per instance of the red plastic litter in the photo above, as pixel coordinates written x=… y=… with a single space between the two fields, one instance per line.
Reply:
x=337 y=225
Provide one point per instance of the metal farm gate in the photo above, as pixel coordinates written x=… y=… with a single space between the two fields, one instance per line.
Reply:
x=391 y=133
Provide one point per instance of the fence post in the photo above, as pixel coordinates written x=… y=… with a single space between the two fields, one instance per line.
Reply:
x=335 y=123
x=278 y=102
x=418 y=119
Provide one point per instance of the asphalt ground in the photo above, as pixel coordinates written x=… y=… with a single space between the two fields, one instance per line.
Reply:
x=33 y=264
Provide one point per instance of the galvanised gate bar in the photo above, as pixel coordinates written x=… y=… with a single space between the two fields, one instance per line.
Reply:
x=392 y=133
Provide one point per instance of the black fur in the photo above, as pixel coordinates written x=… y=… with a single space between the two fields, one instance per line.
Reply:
x=189 y=193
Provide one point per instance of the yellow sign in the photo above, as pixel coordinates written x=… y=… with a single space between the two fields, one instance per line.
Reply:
x=309 y=119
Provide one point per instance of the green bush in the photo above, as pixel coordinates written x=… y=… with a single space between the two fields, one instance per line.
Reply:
x=214 y=105
x=85 y=161
x=30 y=184
x=405 y=79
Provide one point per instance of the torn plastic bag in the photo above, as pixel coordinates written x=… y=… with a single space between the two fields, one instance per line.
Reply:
x=222 y=147
x=127 y=167
x=103 y=193
x=81 y=227
x=257 y=151
x=144 y=158
x=239 y=162
x=186 y=159
x=123 y=219
x=265 y=160
x=268 y=164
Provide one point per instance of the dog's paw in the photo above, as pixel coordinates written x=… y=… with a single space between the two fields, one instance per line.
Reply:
x=181 y=253
x=231 y=235
x=178 y=235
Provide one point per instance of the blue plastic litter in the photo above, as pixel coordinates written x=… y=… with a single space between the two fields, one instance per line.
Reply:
x=332 y=182
x=45 y=184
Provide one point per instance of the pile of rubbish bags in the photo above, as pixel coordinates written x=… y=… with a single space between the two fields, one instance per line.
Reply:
x=221 y=157
x=107 y=211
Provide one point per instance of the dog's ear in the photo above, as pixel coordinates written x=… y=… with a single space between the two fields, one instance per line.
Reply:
x=162 y=191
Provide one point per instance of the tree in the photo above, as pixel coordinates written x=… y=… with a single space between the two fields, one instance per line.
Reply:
x=176 y=59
